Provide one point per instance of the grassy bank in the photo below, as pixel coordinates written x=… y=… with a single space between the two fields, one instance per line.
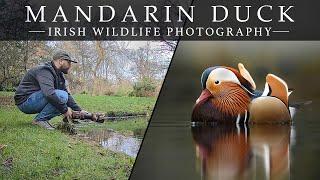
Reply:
x=38 y=153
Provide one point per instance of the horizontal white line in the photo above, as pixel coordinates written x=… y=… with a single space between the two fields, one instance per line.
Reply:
x=286 y=31
x=37 y=31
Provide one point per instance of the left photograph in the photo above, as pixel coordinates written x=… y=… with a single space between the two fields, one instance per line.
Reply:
x=77 y=109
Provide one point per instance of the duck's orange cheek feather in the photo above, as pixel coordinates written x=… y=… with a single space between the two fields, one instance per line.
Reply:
x=212 y=87
x=223 y=88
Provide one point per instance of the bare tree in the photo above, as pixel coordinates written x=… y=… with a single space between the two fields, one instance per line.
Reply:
x=101 y=57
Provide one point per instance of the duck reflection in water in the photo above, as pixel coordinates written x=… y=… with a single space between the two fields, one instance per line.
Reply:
x=234 y=152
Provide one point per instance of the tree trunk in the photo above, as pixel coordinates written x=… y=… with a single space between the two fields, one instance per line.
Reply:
x=25 y=58
x=101 y=56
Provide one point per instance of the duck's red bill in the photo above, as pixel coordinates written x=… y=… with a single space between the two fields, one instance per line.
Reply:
x=205 y=94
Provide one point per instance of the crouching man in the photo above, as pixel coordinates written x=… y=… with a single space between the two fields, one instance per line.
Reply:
x=43 y=91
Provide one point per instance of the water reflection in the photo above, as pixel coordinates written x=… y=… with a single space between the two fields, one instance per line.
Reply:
x=234 y=152
x=115 y=141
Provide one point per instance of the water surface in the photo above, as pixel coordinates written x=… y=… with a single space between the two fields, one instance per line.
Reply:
x=115 y=141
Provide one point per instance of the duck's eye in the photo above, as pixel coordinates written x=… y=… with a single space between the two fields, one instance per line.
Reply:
x=217 y=82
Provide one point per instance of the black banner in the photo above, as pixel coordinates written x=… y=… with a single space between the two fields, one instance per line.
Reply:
x=159 y=20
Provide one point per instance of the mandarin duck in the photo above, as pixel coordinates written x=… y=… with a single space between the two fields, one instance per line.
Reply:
x=230 y=96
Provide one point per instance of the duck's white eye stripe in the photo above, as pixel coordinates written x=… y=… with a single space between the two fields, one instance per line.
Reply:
x=223 y=75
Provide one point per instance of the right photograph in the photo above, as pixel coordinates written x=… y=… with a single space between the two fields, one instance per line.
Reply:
x=235 y=110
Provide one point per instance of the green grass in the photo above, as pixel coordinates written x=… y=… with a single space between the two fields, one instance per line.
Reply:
x=5 y=93
x=113 y=103
x=41 y=154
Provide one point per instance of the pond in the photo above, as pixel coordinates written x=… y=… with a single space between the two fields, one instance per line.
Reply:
x=115 y=141
x=184 y=151
x=127 y=142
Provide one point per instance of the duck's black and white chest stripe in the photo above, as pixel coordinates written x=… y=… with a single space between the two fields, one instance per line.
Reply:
x=243 y=119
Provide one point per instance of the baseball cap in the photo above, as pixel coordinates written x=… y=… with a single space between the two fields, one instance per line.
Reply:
x=63 y=55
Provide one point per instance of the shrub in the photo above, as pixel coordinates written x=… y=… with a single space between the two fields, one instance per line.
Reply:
x=83 y=92
x=145 y=87
x=123 y=89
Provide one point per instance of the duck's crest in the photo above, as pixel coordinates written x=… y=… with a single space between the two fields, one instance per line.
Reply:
x=278 y=88
x=245 y=73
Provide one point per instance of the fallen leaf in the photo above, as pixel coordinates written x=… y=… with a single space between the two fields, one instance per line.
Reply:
x=8 y=162
x=2 y=146
x=102 y=154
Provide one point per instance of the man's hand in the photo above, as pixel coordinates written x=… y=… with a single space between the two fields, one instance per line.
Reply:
x=68 y=114
x=83 y=112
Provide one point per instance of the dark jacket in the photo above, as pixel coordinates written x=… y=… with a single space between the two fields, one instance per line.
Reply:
x=46 y=78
